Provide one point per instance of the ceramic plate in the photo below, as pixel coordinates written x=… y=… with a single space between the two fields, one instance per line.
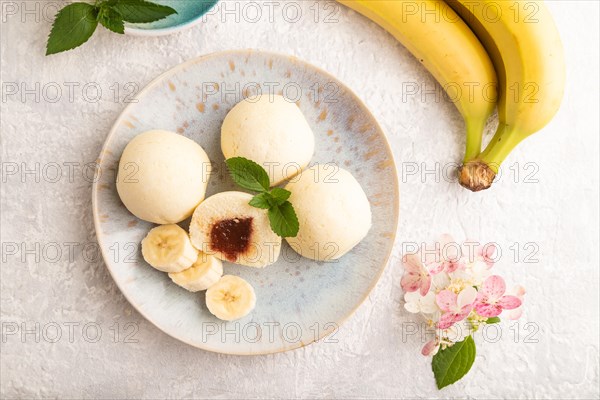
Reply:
x=189 y=13
x=298 y=300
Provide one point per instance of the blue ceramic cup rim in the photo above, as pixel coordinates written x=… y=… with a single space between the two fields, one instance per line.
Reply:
x=134 y=31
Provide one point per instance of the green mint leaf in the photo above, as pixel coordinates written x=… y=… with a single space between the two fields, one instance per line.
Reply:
x=251 y=176
x=248 y=174
x=72 y=27
x=492 y=320
x=261 y=200
x=111 y=19
x=141 y=11
x=283 y=219
x=280 y=196
x=451 y=364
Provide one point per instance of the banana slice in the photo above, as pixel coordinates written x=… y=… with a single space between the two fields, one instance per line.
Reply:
x=168 y=248
x=231 y=298
x=205 y=272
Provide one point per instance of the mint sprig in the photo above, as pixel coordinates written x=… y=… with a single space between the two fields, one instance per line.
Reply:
x=284 y=220
x=452 y=363
x=111 y=19
x=251 y=176
x=77 y=22
x=141 y=11
x=248 y=174
x=72 y=27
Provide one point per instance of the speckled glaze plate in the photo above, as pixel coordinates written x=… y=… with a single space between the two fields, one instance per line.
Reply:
x=189 y=13
x=299 y=300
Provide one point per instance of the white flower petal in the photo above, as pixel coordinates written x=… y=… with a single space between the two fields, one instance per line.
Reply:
x=412 y=307
x=435 y=317
x=463 y=275
x=466 y=296
x=457 y=332
x=412 y=297
x=440 y=281
x=479 y=265
x=428 y=304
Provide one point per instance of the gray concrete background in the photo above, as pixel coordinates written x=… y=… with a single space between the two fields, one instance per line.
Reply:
x=543 y=213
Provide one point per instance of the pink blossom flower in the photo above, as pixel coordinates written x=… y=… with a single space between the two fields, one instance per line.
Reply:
x=431 y=347
x=451 y=254
x=455 y=307
x=516 y=313
x=446 y=257
x=473 y=272
x=486 y=252
x=491 y=299
x=473 y=251
x=416 y=277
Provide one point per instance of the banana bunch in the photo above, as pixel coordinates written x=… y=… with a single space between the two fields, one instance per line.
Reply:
x=524 y=45
x=509 y=52
x=168 y=248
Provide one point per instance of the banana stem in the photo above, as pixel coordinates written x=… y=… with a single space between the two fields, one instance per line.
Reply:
x=474 y=136
x=475 y=175
x=478 y=172
x=504 y=141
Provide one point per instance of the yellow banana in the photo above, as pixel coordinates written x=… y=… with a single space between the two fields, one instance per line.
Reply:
x=527 y=53
x=446 y=46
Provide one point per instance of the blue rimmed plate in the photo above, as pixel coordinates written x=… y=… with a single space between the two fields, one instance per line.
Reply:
x=298 y=300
